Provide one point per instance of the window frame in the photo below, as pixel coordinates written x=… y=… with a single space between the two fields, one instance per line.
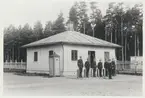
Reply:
x=50 y=52
x=35 y=56
x=74 y=55
x=108 y=53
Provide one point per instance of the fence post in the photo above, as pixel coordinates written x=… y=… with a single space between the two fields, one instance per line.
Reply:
x=16 y=64
x=6 y=62
x=10 y=64
x=21 y=62
x=135 y=67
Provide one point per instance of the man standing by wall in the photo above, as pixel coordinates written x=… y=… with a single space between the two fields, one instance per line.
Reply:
x=110 y=69
x=94 y=68
x=113 y=67
x=106 y=67
x=100 y=68
x=80 y=65
x=87 y=66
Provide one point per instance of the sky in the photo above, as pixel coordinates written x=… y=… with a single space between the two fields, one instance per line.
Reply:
x=20 y=12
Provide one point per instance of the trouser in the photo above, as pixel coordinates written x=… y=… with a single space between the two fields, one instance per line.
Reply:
x=87 y=72
x=110 y=74
x=80 y=72
x=100 y=72
x=106 y=72
x=94 y=72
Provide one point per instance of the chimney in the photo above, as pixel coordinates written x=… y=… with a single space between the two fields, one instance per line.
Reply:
x=70 y=26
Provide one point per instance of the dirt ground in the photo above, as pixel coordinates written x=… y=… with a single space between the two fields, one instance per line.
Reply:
x=120 y=85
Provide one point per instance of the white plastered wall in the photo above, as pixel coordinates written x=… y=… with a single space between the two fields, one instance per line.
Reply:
x=70 y=66
x=42 y=65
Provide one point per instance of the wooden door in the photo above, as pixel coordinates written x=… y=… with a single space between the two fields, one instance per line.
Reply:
x=57 y=66
x=51 y=66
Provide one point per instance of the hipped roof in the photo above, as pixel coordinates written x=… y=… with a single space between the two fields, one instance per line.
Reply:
x=72 y=37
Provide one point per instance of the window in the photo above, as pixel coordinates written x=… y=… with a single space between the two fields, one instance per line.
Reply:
x=106 y=55
x=50 y=52
x=35 y=56
x=74 y=55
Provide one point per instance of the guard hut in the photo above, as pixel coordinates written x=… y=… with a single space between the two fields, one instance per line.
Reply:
x=57 y=55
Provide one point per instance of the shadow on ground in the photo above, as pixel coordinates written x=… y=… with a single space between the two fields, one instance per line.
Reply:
x=32 y=74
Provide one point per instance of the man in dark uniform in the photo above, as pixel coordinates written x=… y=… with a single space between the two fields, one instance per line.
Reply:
x=113 y=67
x=110 y=69
x=94 y=68
x=100 y=68
x=87 y=66
x=80 y=65
x=106 y=67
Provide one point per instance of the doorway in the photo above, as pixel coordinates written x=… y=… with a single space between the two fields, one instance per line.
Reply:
x=54 y=64
x=91 y=56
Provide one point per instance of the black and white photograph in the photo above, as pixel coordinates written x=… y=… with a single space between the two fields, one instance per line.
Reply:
x=72 y=47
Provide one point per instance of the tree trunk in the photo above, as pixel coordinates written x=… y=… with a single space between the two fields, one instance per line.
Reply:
x=105 y=33
x=84 y=28
x=111 y=31
x=125 y=45
x=115 y=34
x=13 y=54
x=18 y=54
x=122 y=40
x=137 y=46
x=93 y=31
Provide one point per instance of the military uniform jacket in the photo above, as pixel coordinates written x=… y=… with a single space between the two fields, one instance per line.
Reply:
x=100 y=65
x=109 y=66
x=87 y=64
x=94 y=64
x=80 y=63
x=106 y=65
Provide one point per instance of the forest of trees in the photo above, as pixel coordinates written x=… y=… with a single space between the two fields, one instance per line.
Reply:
x=120 y=25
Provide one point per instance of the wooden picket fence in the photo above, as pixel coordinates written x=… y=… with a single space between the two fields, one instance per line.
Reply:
x=128 y=67
x=123 y=65
x=15 y=65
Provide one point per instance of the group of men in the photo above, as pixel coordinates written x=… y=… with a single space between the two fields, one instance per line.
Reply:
x=109 y=67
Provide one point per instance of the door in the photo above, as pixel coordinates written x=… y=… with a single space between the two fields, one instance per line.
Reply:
x=91 y=56
x=51 y=66
x=57 y=66
x=106 y=56
x=51 y=63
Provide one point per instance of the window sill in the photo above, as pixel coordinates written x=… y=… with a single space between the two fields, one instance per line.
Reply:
x=73 y=60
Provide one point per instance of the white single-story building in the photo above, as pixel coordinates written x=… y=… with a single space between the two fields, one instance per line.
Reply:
x=58 y=54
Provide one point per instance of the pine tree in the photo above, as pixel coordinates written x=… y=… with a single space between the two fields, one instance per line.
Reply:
x=48 y=29
x=38 y=30
x=58 y=25
x=73 y=16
